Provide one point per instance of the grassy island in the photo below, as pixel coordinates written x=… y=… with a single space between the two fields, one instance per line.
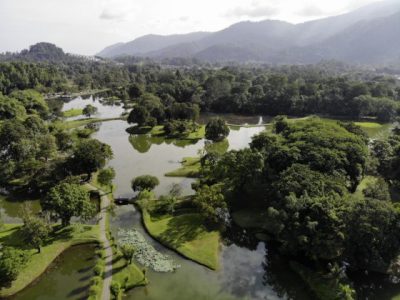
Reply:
x=187 y=235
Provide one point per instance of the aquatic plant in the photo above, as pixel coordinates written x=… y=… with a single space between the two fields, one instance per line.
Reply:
x=145 y=254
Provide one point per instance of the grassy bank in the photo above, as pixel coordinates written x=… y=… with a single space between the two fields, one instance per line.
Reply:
x=59 y=241
x=83 y=122
x=190 y=168
x=126 y=275
x=187 y=235
x=73 y=112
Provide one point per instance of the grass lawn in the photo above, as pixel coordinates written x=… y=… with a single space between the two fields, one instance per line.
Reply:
x=79 y=123
x=195 y=135
x=187 y=235
x=190 y=168
x=128 y=276
x=73 y=112
x=39 y=262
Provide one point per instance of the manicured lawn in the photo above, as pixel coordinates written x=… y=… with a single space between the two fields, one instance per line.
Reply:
x=187 y=235
x=73 y=112
x=368 y=124
x=128 y=276
x=83 y=122
x=39 y=262
x=195 y=135
x=190 y=168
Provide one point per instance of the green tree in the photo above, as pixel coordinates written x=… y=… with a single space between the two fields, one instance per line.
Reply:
x=89 y=110
x=68 y=200
x=106 y=176
x=216 y=130
x=144 y=182
x=128 y=251
x=378 y=190
x=139 y=115
x=35 y=231
x=12 y=260
x=90 y=156
x=11 y=108
x=211 y=204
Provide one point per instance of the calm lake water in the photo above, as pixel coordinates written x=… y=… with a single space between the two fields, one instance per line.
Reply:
x=68 y=277
x=103 y=111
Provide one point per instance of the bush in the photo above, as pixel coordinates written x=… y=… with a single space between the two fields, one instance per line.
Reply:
x=99 y=268
x=11 y=262
x=96 y=280
x=115 y=289
x=94 y=290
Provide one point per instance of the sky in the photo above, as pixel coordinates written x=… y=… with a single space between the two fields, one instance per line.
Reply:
x=87 y=26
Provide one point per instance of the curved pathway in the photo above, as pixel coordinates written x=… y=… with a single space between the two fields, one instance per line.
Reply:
x=108 y=259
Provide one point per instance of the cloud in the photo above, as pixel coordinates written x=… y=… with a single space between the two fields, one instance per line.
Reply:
x=311 y=11
x=109 y=14
x=184 y=18
x=256 y=10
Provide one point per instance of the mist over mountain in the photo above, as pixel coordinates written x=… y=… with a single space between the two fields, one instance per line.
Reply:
x=367 y=35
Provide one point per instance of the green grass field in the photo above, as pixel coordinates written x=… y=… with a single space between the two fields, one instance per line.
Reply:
x=187 y=235
x=39 y=262
x=73 y=112
x=190 y=168
x=79 y=123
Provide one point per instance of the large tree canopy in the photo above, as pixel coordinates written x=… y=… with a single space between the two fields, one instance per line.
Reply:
x=68 y=200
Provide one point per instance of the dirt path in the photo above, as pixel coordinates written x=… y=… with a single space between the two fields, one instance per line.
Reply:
x=105 y=203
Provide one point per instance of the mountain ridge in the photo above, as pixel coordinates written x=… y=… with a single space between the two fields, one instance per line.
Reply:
x=276 y=41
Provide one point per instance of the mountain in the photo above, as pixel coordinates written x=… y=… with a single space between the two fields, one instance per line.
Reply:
x=357 y=36
x=150 y=43
x=44 y=52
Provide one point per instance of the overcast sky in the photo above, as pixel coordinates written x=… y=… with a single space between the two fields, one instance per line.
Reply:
x=87 y=26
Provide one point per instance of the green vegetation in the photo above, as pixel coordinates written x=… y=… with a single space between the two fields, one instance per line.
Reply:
x=68 y=200
x=190 y=168
x=144 y=182
x=59 y=240
x=324 y=286
x=216 y=130
x=187 y=235
x=105 y=177
x=73 y=112
x=126 y=275
x=89 y=110
x=302 y=185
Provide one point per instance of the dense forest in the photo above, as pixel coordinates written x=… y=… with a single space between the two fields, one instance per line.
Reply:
x=328 y=88
x=297 y=184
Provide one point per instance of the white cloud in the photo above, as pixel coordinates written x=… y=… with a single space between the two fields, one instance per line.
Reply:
x=256 y=10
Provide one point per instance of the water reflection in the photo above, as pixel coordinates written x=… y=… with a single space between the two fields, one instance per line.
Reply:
x=68 y=278
x=11 y=208
x=104 y=109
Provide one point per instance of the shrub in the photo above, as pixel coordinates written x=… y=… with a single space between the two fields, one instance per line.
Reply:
x=115 y=289
x=99 y=268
